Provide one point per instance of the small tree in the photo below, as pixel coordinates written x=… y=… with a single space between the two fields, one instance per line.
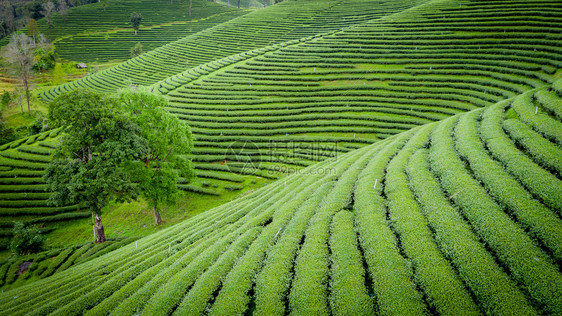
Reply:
x=26 y=240
x=45 y=58
x=136 y=19
x=136 y=50
x=169 y=140
x=59 y=76
x=33 y=29
x=63 y=8
x=104 y=4
x=20 y=54
x=6 y=100
x=6 y=133
x=18 y=97
x=89 y=165
x=48 y=10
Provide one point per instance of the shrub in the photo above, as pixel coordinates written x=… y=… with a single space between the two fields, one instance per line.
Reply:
x=26 y=240
x=5 y=101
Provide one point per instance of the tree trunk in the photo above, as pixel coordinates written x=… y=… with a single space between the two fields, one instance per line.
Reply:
x=27 y=96
x=238 y=4
x=100 y=234
x=135 y=32
x=157 y=217
x=264 y=3
x=94 y=225
x=190 y=7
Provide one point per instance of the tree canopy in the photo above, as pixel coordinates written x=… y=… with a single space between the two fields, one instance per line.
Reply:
x=89 y=167
x=136 y=50
x=116 y=148
x=136 y=19
x=169 y=141
x=20 y=55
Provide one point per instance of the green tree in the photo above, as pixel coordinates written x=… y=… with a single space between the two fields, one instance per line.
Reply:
x=169 y=141
x=136 y=19
x=6 y=133
x=59 y=76
x=20 y=55
x=89 y=167
x=136 y=50
x=26 y=240
x=45 y=58
x=63 y=8
x=49 y=9
x=33 y=29
x=6 y=100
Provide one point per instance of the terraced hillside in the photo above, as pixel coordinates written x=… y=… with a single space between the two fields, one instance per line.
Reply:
x=91 y=33
x=22 y=188
x=116 y=44
x=459 y=217
x=19 y=270
x=273 y=25
x=287 y=106
x=348 y=86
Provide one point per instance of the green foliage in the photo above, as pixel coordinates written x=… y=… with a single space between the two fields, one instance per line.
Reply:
x=348 y=293
x=5 y=101
x=513 y=247
x=136 y=50
x=89 y=165
x=59 y=75
x=433 y=272
x=168 y=139
x=40 y=124
x=136 y=19
x=6 y=133
x=537 y=180
x=492 y=287
x=32 y=28
x=457 y=217
x=45 y=59
x=26 y=240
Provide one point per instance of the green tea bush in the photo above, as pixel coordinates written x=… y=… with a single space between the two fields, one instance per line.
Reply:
x=492 y=287
x=26 y=240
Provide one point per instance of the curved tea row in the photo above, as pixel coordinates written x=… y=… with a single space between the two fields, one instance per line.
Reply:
x=285 y=21
x=460 y=216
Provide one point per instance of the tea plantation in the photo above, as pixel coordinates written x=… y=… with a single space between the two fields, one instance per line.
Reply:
x=93 y=32
x=413 y=151
x=461 y=216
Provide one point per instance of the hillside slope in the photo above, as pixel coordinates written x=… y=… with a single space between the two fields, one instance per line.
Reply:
x=455 y=217
x=281 y=108
x=93 y=32
x=353 y=87
x=289 y=20
x=376 y=74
